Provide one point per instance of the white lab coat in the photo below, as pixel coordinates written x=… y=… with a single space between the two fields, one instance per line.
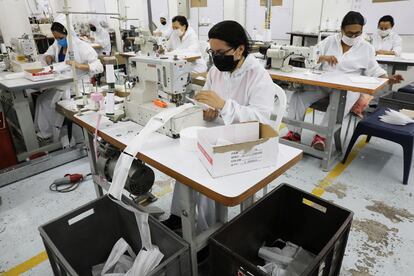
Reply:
x=187 y=45
x=47 y=120
x=249 y=93
x=165 y=30
x=391 y=42
x=359 y=60
x=101 y=37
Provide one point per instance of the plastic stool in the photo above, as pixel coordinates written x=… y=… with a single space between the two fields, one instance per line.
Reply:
x=372 y=126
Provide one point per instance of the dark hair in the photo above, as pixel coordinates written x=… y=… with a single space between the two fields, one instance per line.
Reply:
x=387 y=18
x=352 y=18
x=57 y=27
x=232 y=33
x=180 y=19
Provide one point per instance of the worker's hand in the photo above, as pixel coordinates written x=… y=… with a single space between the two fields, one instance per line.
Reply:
x=72 y=62
x=210 y=114
x=157 y=33
x=395 y=79
x=331 y=60
x=91 y=39
x=49 y=60
x=210 y=98
x=380 y=52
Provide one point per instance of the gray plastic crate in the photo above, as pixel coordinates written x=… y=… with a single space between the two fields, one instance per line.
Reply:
x=397 y=100
x=73 y=248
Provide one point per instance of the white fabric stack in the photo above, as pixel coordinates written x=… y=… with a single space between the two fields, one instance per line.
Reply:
x=395 y=118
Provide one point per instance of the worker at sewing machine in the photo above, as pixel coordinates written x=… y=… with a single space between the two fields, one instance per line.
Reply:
x=385 y=41
x=345 y=53
x=237 y=89
x=164 y=29
x=184 y=41
x=99 y=36
x=86 y=63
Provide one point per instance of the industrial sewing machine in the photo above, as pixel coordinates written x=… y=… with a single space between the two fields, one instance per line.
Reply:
x=163 y=82
x=281 y=56
x=149 y=44
x=23 y=54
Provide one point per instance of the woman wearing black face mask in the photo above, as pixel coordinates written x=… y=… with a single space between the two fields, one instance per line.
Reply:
x=164 y=29
x=238 y=88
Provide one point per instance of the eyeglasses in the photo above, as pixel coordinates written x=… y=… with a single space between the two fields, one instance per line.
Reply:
x=219 y=53
x=351 y=35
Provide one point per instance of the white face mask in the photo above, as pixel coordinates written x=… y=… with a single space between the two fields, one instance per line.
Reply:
x=179 y=32
x=384 y=33
x=351 y=41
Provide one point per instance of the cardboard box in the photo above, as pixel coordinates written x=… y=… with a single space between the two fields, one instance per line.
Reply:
x=254 y=145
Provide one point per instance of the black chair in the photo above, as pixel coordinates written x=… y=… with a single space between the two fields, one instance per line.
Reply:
x=372 y=126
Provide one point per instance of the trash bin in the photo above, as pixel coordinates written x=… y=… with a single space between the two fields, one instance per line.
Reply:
x=286 y=213
x=84 y=237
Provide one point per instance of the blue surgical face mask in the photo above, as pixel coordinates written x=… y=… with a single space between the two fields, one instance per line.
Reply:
x=63 y=42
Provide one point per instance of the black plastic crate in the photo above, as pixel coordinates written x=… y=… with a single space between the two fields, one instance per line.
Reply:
x=409 y=88
x=74 y=247
x=289 y=214
x=397 y=100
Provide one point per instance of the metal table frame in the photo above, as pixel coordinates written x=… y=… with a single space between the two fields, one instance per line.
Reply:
x=197 y=241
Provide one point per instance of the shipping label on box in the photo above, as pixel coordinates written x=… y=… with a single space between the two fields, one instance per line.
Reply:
x=237 y=148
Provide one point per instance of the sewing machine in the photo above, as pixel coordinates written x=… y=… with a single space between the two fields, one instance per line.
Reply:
x=148 y=43
x=163 y=83
x=23 y=54
x=281 y=55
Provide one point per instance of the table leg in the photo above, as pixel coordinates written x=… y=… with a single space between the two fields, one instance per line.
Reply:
x=92 y=161
x=291 y=39
x=390 y=71
x=247 y=203
x=24 y=116
x=188 y=219
x=303 y=41
x=337 y=103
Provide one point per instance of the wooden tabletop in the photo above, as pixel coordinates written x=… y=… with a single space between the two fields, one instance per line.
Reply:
x=165 y=154
x=333 y=80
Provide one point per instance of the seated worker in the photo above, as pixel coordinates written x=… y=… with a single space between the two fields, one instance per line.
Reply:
x=164 y=29
x=385 y=41
x=346 y=53
x=184 y=41
x=87 y=64
x=100 y=36
x=238 y=89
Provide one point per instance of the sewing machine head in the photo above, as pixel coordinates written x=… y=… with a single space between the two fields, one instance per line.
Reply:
x=160 y=77
x=23 y=54
x=281 y=55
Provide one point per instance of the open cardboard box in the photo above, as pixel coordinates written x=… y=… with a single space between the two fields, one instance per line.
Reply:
x=254 y=145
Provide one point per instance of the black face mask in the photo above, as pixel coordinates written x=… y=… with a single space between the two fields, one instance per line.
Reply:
x=163 y=22
x=93 y=28
x=225 y=63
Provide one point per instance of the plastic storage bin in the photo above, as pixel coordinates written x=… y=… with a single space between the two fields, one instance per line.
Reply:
x=286 y=214
x=397 y=100
x=84 y=237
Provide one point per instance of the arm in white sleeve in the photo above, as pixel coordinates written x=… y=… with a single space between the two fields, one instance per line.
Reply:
x=373 y=68
x=259 y=107
x=51 y=51
x=397 y=45
x=194 y=45
x=90 y=57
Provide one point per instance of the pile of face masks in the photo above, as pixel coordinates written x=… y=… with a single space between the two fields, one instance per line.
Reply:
x=286 y=260
x=395 y=118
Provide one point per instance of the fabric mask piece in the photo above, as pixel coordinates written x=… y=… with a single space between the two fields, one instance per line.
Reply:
x=351 y=41
x=179 y=32
x=384 y=33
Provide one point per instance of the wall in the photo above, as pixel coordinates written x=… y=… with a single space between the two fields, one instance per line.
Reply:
x=14 y=21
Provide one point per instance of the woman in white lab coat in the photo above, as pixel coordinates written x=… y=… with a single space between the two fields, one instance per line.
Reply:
x=385 y=41
x=238 y=89
x=100 y=36
x=164 y=29
x=86 y=63
x=184 y=41
x=344 y=53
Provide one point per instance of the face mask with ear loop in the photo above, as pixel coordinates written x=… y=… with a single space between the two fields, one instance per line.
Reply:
x=384 y=33
x=225 y=63
x=351 y=41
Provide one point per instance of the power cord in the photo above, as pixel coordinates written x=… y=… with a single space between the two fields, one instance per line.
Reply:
x=68 y=183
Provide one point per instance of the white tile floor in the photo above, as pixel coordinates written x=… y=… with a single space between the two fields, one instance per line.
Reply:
x=380 y=242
